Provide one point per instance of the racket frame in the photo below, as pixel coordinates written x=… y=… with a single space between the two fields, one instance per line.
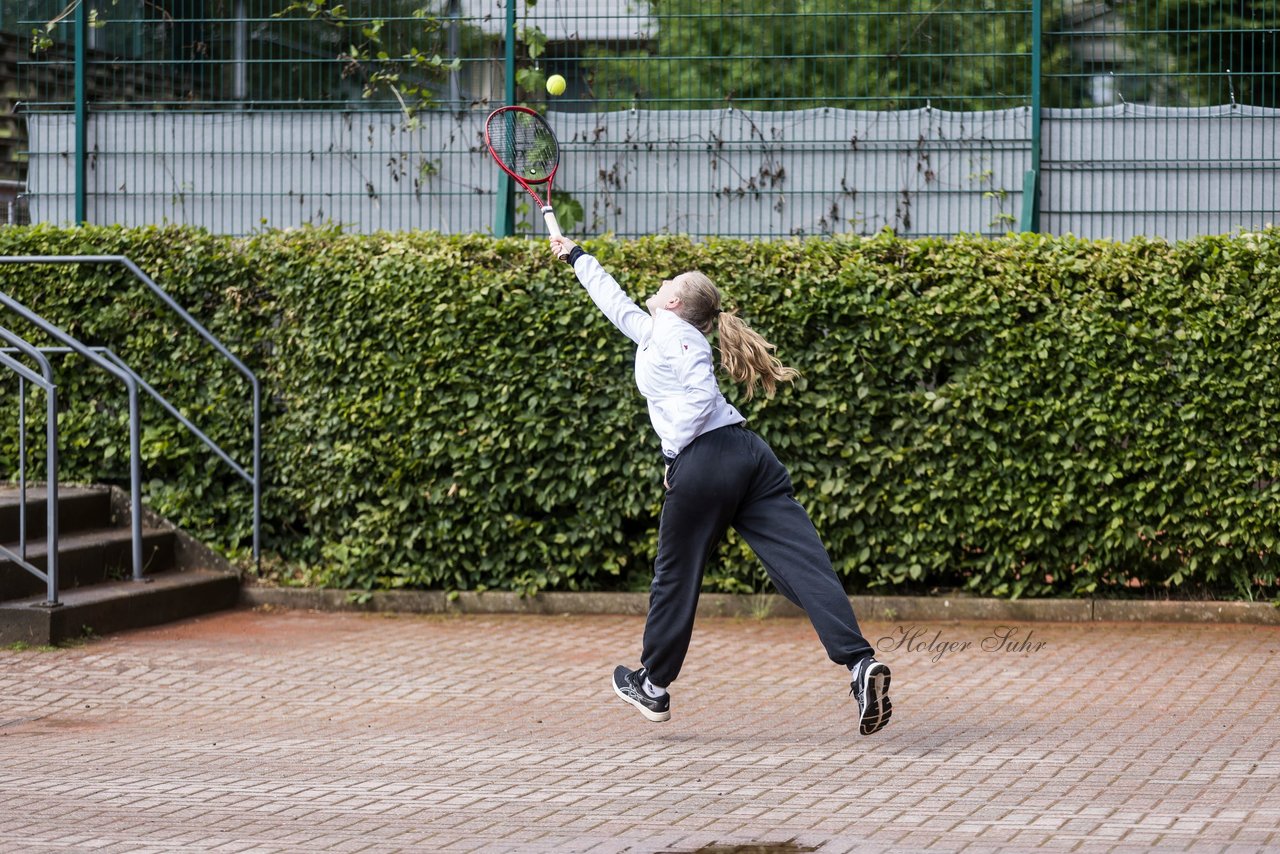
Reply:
x=548 y=213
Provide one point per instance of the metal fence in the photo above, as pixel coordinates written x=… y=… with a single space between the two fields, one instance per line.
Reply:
x=1161 y=118
x=707 y=117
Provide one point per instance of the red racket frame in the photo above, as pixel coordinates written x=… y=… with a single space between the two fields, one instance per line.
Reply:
x=548 y=213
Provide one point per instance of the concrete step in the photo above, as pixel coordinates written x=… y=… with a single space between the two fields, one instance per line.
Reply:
x=88 y=557
x=80 y=508
x=116 y=606
x=95 y=567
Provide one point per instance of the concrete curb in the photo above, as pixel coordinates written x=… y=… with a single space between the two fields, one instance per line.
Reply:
x=880 y=608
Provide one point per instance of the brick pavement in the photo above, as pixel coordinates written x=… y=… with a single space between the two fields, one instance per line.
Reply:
x=297 y=731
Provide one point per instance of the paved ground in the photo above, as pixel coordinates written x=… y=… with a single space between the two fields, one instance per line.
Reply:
x=295 y=731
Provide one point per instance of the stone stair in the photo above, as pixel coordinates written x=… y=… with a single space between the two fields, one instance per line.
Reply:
x=97 y=594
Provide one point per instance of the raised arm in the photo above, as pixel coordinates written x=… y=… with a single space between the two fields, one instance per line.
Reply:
x=633 y=321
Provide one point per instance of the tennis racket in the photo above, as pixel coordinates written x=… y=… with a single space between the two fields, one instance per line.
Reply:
x=524 y=146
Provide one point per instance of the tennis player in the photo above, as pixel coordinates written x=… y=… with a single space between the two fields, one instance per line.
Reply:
x=718 y=473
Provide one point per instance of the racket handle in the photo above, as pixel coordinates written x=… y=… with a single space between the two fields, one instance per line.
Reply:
x=549 y=214
x=553 y=226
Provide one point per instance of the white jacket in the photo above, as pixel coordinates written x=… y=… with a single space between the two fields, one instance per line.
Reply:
x=674 y=367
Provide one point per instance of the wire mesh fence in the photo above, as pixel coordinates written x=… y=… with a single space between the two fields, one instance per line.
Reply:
x=758 y=118
x=677 y=54
x=1165 y=118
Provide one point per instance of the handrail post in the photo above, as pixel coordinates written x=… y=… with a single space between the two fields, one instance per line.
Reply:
x=257 y=476
x=51 y=461
x=135 y=478
x=22 y=466
x=51 y=494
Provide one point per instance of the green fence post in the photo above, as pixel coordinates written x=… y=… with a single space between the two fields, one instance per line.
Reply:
x=81 y=57
x=504 y=221
x=1031 y=181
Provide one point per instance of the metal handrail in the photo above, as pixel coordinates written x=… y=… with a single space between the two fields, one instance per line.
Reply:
x=164 y=403
x=256 y=478
x=135 y=442
x=45 y=381
x=46 y=370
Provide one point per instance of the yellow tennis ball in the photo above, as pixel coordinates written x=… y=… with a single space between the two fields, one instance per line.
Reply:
x=555 y=84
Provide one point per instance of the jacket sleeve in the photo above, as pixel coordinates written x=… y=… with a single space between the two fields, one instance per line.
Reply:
x=633 y=321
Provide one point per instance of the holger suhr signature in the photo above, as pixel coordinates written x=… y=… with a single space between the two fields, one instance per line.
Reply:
x=923 y=640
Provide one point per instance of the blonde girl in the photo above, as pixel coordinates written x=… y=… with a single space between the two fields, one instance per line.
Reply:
x=718 y=474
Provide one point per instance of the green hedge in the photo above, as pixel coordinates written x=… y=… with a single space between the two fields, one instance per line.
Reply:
x=1026 y=416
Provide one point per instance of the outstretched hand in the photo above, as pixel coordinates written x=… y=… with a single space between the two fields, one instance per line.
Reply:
x=562 y=246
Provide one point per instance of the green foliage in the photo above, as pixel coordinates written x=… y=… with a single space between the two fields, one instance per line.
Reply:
x=1026 y=416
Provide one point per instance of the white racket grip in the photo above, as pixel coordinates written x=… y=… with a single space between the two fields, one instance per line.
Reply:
x=549 y=214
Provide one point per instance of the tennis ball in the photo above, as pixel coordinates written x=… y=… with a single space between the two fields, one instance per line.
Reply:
x=555 y=84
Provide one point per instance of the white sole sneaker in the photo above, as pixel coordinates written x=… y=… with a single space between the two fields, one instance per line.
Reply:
x=625 y=686
x=874 y=704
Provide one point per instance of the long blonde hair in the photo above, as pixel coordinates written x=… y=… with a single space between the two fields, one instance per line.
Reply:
x=744 y=353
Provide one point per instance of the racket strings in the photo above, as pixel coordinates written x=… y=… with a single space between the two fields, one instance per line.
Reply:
x=525 y=145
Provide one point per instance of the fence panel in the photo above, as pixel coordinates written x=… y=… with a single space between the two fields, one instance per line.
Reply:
x=1164 y=120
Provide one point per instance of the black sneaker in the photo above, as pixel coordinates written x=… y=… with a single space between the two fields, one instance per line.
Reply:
x=629 y=685
x=871 y=686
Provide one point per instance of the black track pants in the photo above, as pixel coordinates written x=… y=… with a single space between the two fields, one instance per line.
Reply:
x=730 y=477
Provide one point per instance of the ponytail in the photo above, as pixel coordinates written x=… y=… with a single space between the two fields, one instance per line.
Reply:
x=744 y=353
x=749 y=359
